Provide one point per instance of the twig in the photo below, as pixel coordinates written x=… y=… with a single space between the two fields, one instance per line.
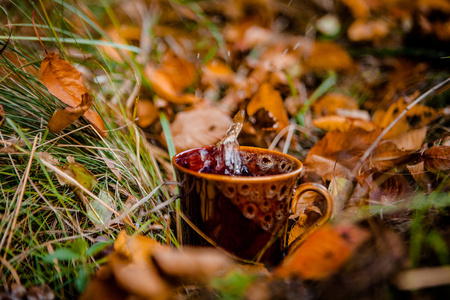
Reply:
x=386 y=130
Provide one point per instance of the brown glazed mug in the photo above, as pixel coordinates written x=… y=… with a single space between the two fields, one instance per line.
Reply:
x=245 y=215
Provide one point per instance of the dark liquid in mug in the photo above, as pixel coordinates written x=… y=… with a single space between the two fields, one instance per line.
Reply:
x=210 y=160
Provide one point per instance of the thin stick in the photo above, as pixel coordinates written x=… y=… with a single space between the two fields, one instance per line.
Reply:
x=35 y=29
x=386 y=130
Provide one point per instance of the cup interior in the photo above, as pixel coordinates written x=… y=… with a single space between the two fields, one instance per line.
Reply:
x=258 y=161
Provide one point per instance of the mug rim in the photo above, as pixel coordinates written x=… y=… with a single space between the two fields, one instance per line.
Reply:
x=228 y=178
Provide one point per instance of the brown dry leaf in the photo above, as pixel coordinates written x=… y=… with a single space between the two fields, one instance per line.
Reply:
x=65 y=83
x=332 y=102
x=341 y=190
x=199 y=127
x=387 y=155
x=417 y=117
x=420 y=175
x=269 y=99
x=388 y=189
x=2 y=116
x=342 y=124
x=327 y=56
x=326 y=168
x=437 y=158
x=323 y=253
x=365 y=30
x=344 y=147
x=146 y=112
x=64 y=117
x=411 y=140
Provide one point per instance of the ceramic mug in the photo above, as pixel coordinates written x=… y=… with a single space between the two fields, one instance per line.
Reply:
x=245 y=215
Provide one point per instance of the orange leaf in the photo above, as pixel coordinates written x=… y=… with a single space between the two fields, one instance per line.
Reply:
x=332 y=102
x=64 y=117
x=342 y=124
x=62 y=80
x=364 y=30
x=65 y=83
x=329 y=56
x=163 y=86
x=270 y=100
x=323 y=253
x=146 y=113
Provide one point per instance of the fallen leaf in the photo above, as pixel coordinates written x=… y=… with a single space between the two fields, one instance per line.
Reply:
x=368 y=30
x=331 y=102
x=323 y=253
x=146 y=112
x=216 y=71
x=120 y=36
x=97 y=212
x=411 y=140
x=81 y=174
x=417 y=117
x=341 y=190
x=65 y=83
x=437 y=158
x=197 y=265
x=326 y=56
x=269 y=99
x=344 y=147
x=171 y=78
x=64 y=117
x=207 y=126
x=342 y=124
x=421 y=176
x=326 y=168
x=387 y=155
x=388 y=189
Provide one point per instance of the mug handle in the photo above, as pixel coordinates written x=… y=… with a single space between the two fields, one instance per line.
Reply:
x=314 y=187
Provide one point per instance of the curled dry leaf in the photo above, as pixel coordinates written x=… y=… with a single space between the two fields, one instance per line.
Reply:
x=323 y=253
x=65 y=83
x=207 y=126
x=437 y=158
x=332 y=102
x=64 y=117
x=269 y=100
x=387 y=155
